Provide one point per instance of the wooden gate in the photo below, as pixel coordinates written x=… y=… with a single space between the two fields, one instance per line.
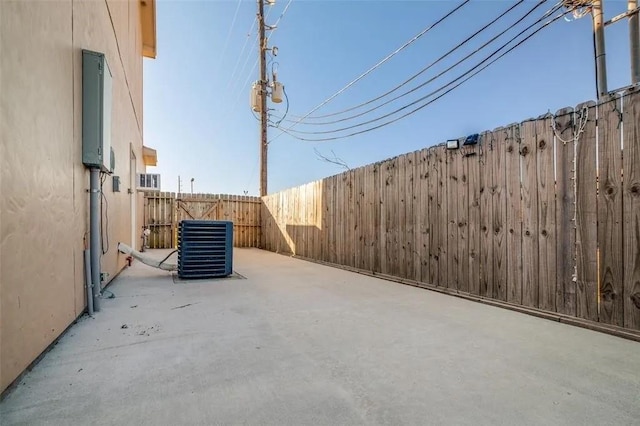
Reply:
x=163 y=211
x=160 y=218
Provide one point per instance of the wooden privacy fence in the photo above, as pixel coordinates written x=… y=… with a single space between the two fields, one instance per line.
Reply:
x=530 y=215
x=164 y=210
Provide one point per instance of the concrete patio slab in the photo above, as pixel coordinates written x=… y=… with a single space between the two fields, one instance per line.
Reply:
x=304 y=344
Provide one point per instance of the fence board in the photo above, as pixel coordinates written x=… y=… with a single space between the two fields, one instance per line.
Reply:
x=610 y=214
x=463 y=220
x=486 y=216
x=441 y=160
x=344 y=226
x=358 y=238
x=356 y=241
x=422 y=219
x=631 y=203
x=348 y=246
x=361 y=219
x=369 y=220
x=401 y=262
x=473 y=177
x=394 y=196
x=431 y=173
x=513 y=224
x=528 y=161
x=565 y=211
x=547 y=272
x=333 y=231
x=383 y=184
x=387 y=217
x=311 y=226
x=451 y=195
x=501 y=137
x=316 y=230
x=378 y=216
x=325 y=223
x=416 y=214
x=410 y=208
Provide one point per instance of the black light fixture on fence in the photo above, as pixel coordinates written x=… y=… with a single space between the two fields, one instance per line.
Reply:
x=472 y=139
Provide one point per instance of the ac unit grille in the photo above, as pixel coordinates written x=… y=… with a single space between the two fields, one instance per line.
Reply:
x=205 y=248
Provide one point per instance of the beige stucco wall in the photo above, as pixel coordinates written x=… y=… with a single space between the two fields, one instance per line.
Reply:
x=43 y=184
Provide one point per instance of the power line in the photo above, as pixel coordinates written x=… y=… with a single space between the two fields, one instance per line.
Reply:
x=556 y=7
x=246 y=61
x=380 y=63
x=233 y=23
x=248 y=76
x=249 y=54
x=385 y=59
x=244 y=46
x=275 y=25
x=243 y=87
x=439 y=89
x=438 y=97
x=423 y=70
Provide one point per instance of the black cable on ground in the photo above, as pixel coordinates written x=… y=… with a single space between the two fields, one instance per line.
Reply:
x=168 y=256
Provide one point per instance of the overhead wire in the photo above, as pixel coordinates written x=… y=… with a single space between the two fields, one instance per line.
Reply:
x=243 y=87
x=275 y=24
x=544 y=25
x=427 y=103
x=244 y=46
x=246 y=61
x=387 y=58
x=286 y=97
x=233 y=23
x=248 y=76
x=494 y=38
x=429 y=66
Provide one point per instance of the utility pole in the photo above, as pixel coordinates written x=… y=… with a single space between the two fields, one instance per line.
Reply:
x=262 y=51
x=634 y=38
x=598 y=34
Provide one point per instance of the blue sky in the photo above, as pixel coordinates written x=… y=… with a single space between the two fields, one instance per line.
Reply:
x=197 y=104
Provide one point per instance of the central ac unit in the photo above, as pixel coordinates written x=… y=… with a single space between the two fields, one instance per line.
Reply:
x=148 y=182
x=205 y=248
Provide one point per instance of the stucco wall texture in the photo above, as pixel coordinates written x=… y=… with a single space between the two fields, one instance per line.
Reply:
x=44 y=203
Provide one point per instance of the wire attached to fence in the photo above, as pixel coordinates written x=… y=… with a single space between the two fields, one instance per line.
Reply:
x=584 y=117
x=577 y=132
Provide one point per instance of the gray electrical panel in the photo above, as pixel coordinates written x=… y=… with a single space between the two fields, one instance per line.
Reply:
x=96 y=111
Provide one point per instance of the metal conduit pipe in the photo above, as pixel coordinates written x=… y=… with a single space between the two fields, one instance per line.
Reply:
x=598 y=33
x=634 y=39
x=94 y=235
x=87 y=279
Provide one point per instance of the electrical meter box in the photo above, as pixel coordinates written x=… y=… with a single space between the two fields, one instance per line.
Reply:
x=97 y=98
